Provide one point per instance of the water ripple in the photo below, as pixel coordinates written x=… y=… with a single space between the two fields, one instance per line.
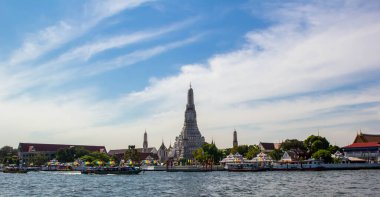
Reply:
x=325 y=183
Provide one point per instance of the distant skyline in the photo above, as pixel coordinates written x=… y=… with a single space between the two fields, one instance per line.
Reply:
x=101 y=72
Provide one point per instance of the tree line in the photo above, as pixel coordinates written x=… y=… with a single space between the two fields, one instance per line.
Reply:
x=316 y=147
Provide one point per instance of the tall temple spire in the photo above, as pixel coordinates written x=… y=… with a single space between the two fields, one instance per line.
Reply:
x=190 y=98
x=190 y=138
x=145 y=144
x=235 y=141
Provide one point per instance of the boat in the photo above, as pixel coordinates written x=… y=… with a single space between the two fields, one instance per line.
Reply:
x=14 y=170
x=246 y=167
x=111 y=170
x=307 y=165
x=188 y=169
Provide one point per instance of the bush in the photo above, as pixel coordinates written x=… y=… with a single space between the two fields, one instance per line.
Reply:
x=323 y=154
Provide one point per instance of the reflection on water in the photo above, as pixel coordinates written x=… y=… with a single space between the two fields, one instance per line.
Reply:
x=325 y=183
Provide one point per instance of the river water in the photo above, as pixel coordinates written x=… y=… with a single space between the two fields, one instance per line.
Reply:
x=325 y=183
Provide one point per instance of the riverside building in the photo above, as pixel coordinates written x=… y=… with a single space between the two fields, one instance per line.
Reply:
x=28 y=150
x=365 y=147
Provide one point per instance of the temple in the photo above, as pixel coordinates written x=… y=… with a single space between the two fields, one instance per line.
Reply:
x=145 y=143
x=190 y=138
x=235 y=141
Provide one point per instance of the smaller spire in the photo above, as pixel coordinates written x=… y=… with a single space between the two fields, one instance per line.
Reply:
x=190 y=84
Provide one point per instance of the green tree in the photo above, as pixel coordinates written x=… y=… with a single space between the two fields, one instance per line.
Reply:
x=252 y=151
x=132 y=154
x=200 y=156
x=208 y=153
x=38 y=160
x=334 y=148
x=242 y=149
x=100 y=156
x=275 y=154
x=71 y=153
x=314 y=143
x=294 y=145
x=87 y=158
x=7 y=154
x=212 y=152
x=325 y=155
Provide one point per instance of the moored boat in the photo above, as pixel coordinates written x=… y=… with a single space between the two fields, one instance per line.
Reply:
x=308 y=165
x=112 y=170
x=246 y=167
x=14 y=170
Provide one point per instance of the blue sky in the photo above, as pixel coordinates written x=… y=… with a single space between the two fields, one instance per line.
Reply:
x=101 y=72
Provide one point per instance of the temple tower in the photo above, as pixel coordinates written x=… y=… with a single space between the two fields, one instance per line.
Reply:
x=145 y=144
x=235 y=141
x=190 y=138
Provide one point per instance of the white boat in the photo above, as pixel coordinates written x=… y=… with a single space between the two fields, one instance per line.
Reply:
x=308 y=165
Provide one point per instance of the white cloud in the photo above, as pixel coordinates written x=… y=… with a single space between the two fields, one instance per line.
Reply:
x=287 y=81
x=136 y=56
x=291 y=68
x=54 y=36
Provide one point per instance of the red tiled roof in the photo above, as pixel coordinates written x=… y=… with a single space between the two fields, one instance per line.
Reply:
x=28 y=147
x=363 y=145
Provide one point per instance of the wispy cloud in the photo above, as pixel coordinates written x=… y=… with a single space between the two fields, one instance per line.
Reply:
x=54 y=36
x=297 y=55
x=285 y=81
x=137 y=56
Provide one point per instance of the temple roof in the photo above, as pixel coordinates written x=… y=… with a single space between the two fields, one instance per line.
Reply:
x=362 y=137
x=267 y=146
x=163 y=147
x=363 y=145
x=34 y=147
x=140 y=150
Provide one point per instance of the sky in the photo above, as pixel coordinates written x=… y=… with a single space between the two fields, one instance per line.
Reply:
x=102 y=72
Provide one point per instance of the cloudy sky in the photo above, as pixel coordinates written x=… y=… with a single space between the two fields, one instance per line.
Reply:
x=101 y=72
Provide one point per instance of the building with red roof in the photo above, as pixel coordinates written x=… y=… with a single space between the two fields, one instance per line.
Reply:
x=29 y=150
x=365 y=146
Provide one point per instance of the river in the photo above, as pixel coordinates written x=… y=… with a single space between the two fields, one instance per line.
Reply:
x=322 y=183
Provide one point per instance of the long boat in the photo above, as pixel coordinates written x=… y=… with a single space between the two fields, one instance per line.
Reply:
x=246 y=167
x=188 y=169
x=14 y=170
x=308 y=165
x=112 y=170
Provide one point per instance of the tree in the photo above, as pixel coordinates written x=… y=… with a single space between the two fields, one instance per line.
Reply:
x=200 y=156
x=38 y=160
x=212 y=152
x=71 y=153
x=314 y=143
x=334 y=148
x=242 y=149
x=275 y=154
x=294 y=145
x=8 y=154
x=132 y=154
x=208 y=153
x=252 y=151
x=323 y=154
